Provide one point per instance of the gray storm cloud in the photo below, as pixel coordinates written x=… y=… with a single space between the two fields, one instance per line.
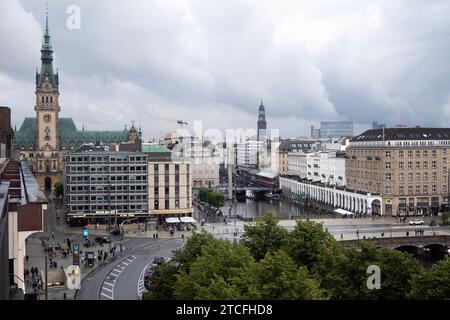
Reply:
x=214 y=60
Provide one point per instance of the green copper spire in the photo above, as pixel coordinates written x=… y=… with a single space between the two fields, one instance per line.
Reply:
x=47 y=58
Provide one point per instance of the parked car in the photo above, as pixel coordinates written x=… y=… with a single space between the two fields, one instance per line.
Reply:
x=101 y=240
x=416 y=222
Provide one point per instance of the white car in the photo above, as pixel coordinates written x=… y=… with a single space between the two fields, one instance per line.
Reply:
x=416 y=222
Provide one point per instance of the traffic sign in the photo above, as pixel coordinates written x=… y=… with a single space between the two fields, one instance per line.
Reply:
x=76 y=248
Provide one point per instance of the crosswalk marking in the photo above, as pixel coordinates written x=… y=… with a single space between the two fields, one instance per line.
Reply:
x=108 y=283
x=105 y=295
x=107 y=289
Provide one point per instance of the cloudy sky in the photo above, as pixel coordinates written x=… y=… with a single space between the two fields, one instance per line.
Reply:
x=213 y=60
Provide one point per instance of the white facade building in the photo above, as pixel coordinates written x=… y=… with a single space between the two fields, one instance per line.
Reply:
x=361 y=203
x=247 y=153
x=323 y=167
x=205 y=160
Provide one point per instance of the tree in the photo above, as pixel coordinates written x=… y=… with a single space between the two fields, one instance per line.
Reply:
x=59 y=189
x=433 y=284
x=214 y=198
x=162 y=283
x=445 y=218
x=277 y=277
x=265 y=236
x=192 y=249
x=218 y=273
x=307 y=242
x=345 y=276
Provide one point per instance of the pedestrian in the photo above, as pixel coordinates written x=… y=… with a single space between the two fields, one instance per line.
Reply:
x=342 y=236
x=407 y=233
x=382 y=234
x=53 y=236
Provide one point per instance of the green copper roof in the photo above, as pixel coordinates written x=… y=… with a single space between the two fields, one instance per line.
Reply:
x=152 y=148
x=69 y=136
x=47 y=60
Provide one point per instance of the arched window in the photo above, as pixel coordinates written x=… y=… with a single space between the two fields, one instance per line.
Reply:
x=46 y=99
x=42 y=99
x=51 y=99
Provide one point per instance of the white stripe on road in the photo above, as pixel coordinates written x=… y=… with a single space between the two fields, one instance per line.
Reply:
x=117 y=270
x=115 y=275
x=105 y=295
x=108 y=283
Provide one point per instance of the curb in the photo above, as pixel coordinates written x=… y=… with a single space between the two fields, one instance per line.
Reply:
x=102 y=263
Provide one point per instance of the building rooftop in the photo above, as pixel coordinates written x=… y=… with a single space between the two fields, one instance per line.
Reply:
x=154 y=148
x=70 y=137
x=295 y=145
x=404 y=134
x=33 y=192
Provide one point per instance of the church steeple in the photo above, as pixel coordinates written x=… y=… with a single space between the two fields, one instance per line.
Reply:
x=47 y=59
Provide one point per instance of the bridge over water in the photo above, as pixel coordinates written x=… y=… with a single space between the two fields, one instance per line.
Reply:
x=442 y=241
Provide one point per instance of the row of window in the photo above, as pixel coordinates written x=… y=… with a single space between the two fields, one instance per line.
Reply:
x=106 y=179
x=120 y=208
x=419 y=176
x=401 y=165
x=418 y=189
x=106 y=198
x=417 y=153
x=106 y=189
x=109 y=159
x=46 y=99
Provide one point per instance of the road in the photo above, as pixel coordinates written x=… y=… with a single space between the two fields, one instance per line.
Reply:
x=348 y=231
x=118 y=279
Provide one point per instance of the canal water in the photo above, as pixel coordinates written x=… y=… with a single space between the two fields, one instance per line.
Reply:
x=281 y=209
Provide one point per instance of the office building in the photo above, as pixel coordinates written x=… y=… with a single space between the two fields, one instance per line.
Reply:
x=105 y=187
x=289 y=146
x=315 y=133
x=336 y=129
x=324 y=167
x=169 y=189
x=408 y=166
x=204 y=159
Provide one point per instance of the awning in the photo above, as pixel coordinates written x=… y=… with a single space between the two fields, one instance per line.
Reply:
x=172 y=220
x=187 y=219
x=344 y=212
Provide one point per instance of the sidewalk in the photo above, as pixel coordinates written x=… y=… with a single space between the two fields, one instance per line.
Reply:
x=37 y=254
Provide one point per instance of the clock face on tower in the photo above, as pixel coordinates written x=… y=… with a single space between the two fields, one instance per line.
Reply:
x=47 y=118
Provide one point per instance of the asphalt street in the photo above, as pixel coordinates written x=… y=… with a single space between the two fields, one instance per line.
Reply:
x=118 y=278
